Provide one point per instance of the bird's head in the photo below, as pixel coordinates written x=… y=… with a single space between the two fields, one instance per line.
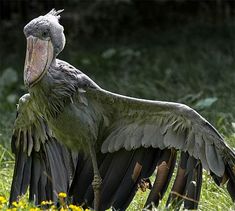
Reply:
x=45 y=40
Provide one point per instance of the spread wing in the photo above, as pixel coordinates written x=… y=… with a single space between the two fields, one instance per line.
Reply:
x=134 y=137
x=41 y=162
x=137 y=135
x=134 y=124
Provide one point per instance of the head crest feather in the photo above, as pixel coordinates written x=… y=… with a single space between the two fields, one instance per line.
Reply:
x=55 y=13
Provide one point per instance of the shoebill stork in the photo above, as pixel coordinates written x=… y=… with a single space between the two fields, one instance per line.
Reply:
x=70 y=135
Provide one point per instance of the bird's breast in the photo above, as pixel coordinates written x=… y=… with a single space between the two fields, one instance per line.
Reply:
x=75 y=126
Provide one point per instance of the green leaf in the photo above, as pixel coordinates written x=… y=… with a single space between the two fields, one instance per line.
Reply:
x=8 y=77
x=109 y=53
x=12 y=98
x=205 y=103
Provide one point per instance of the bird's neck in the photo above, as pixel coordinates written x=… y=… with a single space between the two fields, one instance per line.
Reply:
x=54 y=91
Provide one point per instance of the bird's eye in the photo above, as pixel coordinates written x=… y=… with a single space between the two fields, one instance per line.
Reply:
x=45 y=34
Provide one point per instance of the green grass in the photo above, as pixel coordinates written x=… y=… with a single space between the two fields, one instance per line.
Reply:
x=191 y=65
x=6 y=170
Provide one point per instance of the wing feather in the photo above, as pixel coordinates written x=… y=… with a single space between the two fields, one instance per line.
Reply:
x=214 y=160
x=38 y=157
x=160 y=125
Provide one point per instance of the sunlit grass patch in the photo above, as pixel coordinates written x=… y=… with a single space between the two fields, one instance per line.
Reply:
x=24 y=204
x=214 y=197
x=6 y=170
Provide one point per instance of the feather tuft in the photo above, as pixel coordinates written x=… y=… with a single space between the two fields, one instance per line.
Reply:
x=55 y=13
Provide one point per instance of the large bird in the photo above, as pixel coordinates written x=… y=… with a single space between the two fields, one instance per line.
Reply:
x=70 y=135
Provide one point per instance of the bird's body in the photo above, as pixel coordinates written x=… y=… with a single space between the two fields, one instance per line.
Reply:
x=109 y=143
x=73 y=114
x=85 y=107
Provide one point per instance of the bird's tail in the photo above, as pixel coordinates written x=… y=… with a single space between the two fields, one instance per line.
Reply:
x=230 y=172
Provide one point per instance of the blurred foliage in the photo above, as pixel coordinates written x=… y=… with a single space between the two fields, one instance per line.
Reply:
x=6 y=170
x=110 y=17
x=8 y=82
x=9 y=94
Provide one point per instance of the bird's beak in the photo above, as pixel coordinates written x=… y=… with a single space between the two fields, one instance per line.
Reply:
x=39 y=55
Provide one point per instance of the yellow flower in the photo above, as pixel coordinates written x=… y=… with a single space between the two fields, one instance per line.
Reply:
x=2 y=200
x=34 y=209
x=19 y=204
x=62 y=195
x=75 y=208
x=52 y=208
x=43 y=203
x=71 y=206
x=46 y=202
x=15 y=204
x=63 y=209
x=50 y=202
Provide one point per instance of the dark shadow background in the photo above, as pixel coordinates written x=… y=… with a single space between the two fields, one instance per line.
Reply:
x=98 y=22
x=178 y=50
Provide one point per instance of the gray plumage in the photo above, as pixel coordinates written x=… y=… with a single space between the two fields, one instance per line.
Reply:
x=68 y=124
